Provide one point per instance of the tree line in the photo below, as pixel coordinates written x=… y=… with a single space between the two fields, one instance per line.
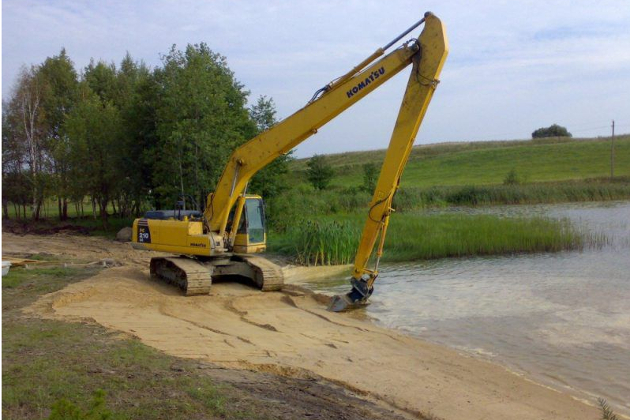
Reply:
x=126 y=137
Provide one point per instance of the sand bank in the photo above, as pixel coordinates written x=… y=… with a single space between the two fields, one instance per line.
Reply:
x=291 y=333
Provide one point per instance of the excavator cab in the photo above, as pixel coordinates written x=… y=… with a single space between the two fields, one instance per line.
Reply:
x=250 y=237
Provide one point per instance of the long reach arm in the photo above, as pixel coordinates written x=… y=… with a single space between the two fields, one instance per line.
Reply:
x=427 y=65
x=427 y=54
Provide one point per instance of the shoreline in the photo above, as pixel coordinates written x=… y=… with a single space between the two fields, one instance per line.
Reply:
x=575 y=393
x=290 y=333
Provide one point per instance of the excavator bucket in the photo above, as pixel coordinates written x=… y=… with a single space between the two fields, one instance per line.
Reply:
x=355 y=298
x=341 y=303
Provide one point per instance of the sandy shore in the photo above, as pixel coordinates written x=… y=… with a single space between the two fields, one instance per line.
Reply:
x=289 y=333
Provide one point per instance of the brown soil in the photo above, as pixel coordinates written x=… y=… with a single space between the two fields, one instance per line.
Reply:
x=20 y=227
x=290 y=335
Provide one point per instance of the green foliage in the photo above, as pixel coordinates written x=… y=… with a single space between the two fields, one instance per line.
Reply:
x=370 y=176
x=101 y=78
x=553 y=130
x=304 y=201
x=93 y=128
x=271 y=181
x=333 y=239
x=201 y=118
x=61 y=95
x=319 y=172
x=320 y=242
x=263 y=113
x=413 y=237
x=62 y=88
x=511 y=178
x=169 y=130
x=63 y=409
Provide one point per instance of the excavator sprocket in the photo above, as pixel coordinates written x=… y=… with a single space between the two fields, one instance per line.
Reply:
x=191 y=276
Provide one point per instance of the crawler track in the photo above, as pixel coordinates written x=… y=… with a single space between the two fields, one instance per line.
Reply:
x=191 y=276
x=194 y=277
x=268 y=276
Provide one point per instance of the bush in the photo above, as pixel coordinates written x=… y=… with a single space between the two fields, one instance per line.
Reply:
x=319 y=172
x=370 y=176
x=554 y=130
x=512 y=178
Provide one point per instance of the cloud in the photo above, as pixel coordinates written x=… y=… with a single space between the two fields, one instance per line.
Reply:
x=513 y=66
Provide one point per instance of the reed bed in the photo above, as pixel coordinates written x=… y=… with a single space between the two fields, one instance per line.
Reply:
x=447 y=235
x=319 y=242
x=327 y=241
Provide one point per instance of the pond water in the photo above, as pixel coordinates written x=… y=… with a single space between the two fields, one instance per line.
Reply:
x=562 y=319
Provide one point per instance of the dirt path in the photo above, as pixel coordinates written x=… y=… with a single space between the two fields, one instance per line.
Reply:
x=290 y=333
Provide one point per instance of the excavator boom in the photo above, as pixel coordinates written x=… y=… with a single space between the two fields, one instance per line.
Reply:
x=336 y=97
x=427 y=65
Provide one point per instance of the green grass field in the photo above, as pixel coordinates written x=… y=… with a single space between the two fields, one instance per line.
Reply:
x=488 y=163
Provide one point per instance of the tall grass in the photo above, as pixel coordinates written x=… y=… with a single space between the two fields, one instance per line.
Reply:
x=449 y=235
x=415 y=237
x=319 y=242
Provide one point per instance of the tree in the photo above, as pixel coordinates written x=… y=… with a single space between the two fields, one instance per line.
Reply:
x=138 y=96
x=370 y=176
x=61 y=89
x=25 y=120
x=15 y=181
x=319 y=173
x=554 y=130
x=101 y=78
x=271 y=181
x=263 y=113
x=201 y=118
x=93 y=128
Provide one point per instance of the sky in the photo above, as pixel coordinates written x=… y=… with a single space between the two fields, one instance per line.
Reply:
x=513 y=66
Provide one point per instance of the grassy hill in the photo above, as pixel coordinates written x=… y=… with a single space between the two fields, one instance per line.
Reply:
x=488 y=163
x=320 y=227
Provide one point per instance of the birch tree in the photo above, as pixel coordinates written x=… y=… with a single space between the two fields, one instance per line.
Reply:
x=26 y=106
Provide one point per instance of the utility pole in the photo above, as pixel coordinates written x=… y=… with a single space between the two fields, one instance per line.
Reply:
x=612 y=151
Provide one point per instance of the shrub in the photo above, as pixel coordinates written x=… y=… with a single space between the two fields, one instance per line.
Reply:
x=511 y=178
x=319 y=172
x=370 y=176
x=554 y=130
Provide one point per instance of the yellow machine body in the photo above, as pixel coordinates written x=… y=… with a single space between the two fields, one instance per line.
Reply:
x=185 y=234
x=233 y=222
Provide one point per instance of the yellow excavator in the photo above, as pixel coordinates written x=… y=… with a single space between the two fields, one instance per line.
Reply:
x=224 y=239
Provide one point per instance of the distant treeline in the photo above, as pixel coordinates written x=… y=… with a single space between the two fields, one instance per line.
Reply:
x=126 y=137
